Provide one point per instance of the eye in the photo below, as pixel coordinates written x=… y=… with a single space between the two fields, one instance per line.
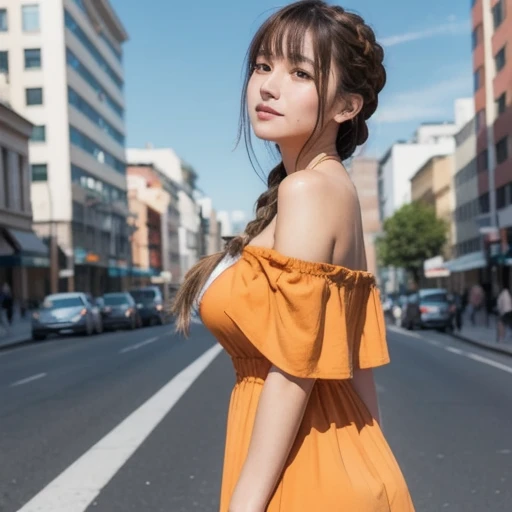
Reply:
x=302 y=74
x=261 y=67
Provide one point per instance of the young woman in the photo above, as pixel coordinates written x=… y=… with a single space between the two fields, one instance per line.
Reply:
x=290 y=300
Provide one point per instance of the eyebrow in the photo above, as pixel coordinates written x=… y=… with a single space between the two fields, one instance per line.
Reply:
x=296 y=57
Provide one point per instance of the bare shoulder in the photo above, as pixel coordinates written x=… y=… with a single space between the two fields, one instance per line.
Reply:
x=312 y=208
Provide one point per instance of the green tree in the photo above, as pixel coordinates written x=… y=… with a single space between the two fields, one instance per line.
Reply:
x=412 y=235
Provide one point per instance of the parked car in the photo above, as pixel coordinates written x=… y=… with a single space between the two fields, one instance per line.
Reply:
x=428 y=308
x=120 y=311
x=150 y=304
x=96 y=313
x=63 y=313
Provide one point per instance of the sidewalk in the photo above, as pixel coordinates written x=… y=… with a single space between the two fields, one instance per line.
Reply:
x=19 y=332
x=484 y=335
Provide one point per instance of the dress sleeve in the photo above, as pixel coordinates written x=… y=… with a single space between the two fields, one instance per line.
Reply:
x=311 y=320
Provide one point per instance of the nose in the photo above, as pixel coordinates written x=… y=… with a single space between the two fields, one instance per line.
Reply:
x=270 y=87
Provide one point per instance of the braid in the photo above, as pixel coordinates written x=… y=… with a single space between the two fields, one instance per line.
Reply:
x=266 y=209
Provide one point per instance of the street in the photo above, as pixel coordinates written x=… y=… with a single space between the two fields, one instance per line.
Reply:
x=134 y=421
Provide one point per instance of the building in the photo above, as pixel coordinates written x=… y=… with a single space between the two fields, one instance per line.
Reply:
x=166 y=160
x=24 y=258
x=432 y=185
x=363 y=172
x=211 y=228
x=402 y=161
x=492 y=66
x=62 y=68
x=151 y=194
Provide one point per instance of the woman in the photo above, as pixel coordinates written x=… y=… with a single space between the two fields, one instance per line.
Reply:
x=504 y=307
x=289 y=299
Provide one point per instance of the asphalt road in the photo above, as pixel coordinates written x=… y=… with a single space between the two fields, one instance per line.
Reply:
x=134 y=421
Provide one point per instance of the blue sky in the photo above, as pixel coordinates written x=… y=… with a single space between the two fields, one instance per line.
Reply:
x=183 y=69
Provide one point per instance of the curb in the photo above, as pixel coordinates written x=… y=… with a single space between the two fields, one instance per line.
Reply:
x=492 y=347
x=14 y=344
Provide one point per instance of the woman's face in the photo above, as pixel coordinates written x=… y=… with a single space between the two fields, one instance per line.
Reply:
x=282 y=98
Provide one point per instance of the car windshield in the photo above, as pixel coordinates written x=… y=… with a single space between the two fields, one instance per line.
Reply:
x=434 y=297
x=143 y=295
x=115 y=300
x=67 y=302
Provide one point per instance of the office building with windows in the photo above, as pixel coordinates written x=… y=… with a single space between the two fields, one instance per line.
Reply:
x=498 y=63
x=61 y=67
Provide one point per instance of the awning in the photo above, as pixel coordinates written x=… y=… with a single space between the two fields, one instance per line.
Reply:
x=469 y=261
x=28 y=242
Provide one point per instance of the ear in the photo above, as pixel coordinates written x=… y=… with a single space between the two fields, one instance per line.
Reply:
x=349 y=108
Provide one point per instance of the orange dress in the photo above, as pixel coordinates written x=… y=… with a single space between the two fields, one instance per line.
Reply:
x=310 y=320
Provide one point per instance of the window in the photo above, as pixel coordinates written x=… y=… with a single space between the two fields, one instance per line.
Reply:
x=39 y=172
x=77 y=138
x=482 y=161
x=38 y=134
x=4 y=62
x=483 y=201
x=500 y=60
x=34 y=96
x=476 y=36
x=73 y=26
x=74 y=63
x=502 y=150
x=3 y=20
x=83 y=106
x=479 y=120
x=477 y=79
x=87 y=181
x=501 y=197
x=498 y=14
x=501 y=104
x=33 y=58
x=30 y=18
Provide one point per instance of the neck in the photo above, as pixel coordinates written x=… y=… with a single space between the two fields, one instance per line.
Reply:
x=292 y=162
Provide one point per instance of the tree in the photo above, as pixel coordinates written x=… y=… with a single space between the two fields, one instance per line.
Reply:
x=412 y=235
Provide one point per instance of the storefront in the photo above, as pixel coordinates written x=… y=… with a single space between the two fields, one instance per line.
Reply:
x=24 y=264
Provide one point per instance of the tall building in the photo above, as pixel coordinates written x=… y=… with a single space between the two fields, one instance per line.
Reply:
x=166 y=160
x=61 y=67
x=363 y=172
x=492 y=65
x=24 y=258
x=403 y=159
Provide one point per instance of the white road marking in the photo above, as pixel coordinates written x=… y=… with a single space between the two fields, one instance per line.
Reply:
x=138 y=345
x=27 y=380
x=490 y=362
x=454 y=350
x=77 y=486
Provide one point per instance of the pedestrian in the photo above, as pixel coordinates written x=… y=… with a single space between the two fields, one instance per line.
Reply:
x=476 y=300
x=8 y=303
x=290 y=299
x=504 y=306
x=457 y=310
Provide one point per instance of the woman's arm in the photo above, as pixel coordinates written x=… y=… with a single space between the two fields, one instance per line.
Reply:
x=278 y=417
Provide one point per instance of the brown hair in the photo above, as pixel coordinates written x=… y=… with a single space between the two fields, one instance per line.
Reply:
x=338 y=36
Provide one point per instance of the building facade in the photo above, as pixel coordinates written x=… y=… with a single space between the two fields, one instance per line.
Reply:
x=151 y=193
x=24 y=258
x=63 y=63
x=363 y=172
x=492 y=64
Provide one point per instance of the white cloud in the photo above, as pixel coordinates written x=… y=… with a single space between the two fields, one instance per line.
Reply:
x=451 y=28
x=424 y=104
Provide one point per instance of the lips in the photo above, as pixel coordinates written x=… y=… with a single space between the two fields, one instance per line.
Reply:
x=267 y=109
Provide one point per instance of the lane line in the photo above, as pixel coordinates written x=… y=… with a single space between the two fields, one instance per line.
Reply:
x=490 y=362
x=138 y=345
x=405 y=332
x=454 y=350
x=27 y=380
x=78 y=485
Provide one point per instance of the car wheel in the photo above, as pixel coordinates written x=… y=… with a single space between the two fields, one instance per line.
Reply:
x=38 y=337
x=99 y=327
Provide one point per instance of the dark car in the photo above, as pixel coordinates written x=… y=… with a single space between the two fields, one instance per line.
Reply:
x=63 y=313
x=119 y=311
x=429 y=308
x=150 y=304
